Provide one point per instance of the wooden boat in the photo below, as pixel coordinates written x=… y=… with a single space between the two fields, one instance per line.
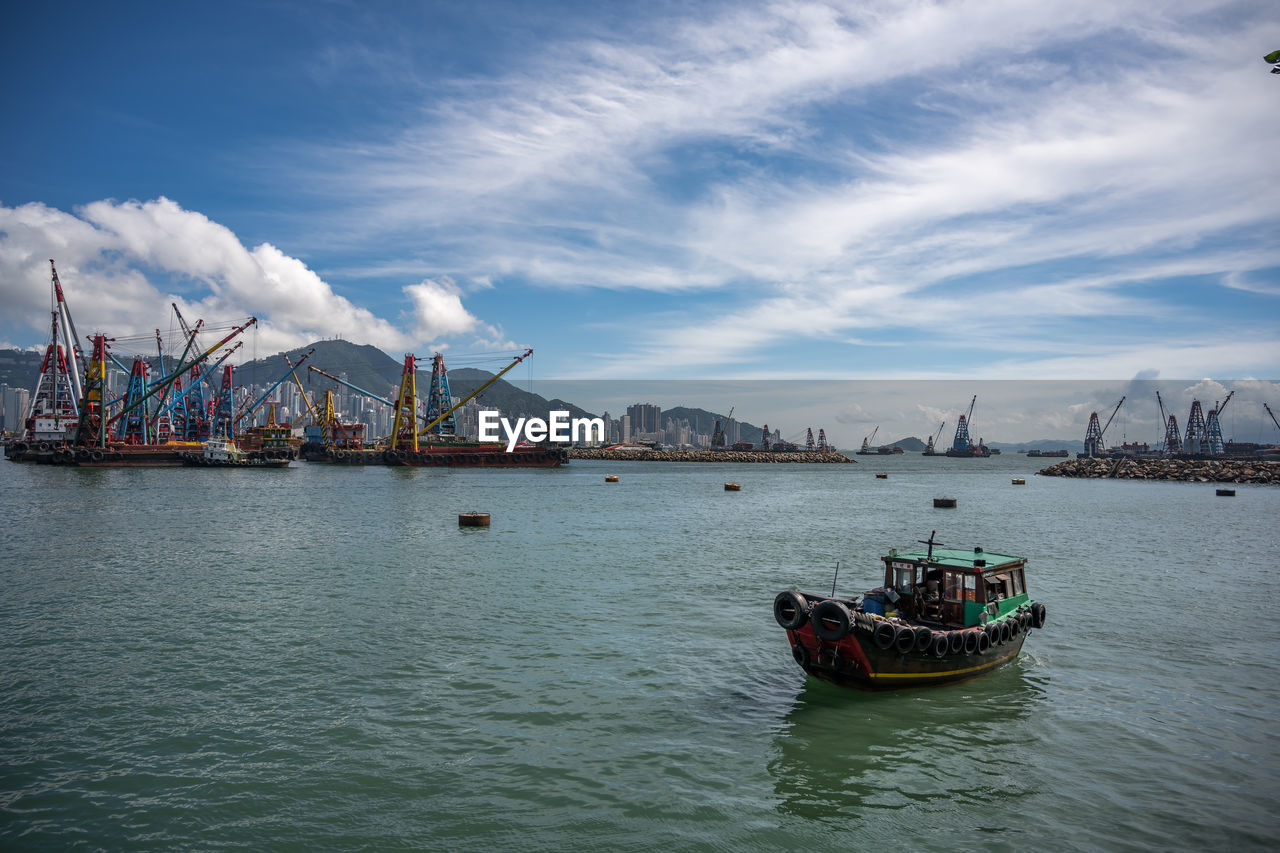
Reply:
x=942 y=615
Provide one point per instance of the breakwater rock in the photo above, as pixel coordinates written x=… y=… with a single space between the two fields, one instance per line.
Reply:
x=706 y=456
x=1260 y=471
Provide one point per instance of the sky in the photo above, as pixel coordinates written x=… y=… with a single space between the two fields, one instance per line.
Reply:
x=995 y=190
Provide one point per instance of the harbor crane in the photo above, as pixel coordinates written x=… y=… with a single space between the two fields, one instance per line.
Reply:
x=1272 y=414
x=1093 y=445
x=717 y=431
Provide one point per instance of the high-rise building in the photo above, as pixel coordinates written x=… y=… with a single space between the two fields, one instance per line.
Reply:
x=645 y=418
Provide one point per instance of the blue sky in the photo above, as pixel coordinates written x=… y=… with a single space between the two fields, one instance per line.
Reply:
x=996 y=190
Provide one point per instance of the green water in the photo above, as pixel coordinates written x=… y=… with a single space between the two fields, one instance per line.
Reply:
x=319 y=658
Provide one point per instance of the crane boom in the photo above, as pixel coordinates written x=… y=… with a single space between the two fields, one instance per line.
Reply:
x=1113 y=414
x=353 y=387
x=252 y=408
x=1273 y=415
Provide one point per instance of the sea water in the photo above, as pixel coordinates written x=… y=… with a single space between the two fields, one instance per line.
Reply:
x=320 y=658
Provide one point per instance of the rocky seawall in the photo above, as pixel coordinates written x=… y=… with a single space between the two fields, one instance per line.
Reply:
x=706 y=456
x=1259 y=471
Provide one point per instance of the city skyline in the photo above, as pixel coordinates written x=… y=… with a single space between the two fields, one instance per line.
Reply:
x=805 y=190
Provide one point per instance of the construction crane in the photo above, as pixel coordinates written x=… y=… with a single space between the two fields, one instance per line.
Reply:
x=866 y=442
x=162 y=384
x=717 y=432
x=258 y=402
x=933 y=439
x=1272 y=414
x=1172 y=441
x=1093 y=445
x=1213 y=426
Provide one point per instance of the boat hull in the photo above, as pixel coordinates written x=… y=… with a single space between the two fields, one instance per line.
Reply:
x=856 y=661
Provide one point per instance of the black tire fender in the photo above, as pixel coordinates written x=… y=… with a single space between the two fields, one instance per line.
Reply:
x=971 y=642
x=955 y=642
x=830 y=611
x=801 y=655
x=924 y=639
x=984 y=642
x=884 y=635
x=940 y=645
x=790 y=609
x=1038 y=613
x=905 y=639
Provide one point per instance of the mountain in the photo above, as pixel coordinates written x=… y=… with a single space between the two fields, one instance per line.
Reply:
x=911 y=444
x=20 y=368
x=364 y=365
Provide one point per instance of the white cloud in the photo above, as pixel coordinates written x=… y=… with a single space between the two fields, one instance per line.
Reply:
x=109 y=254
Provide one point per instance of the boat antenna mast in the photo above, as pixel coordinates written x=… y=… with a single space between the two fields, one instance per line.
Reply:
x=931 y=542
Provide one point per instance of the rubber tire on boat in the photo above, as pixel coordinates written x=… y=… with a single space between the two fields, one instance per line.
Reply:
x=971 y=642
x=1015 y=626
x=884 y=635
x=801 y=655
x=43 y=447
x=955 y=642
x=984 y=642
x=793 y=603
x=940 y=645
x=1038 y=613
x=96 y=455
x=905 y=639
x=21 y=447
x=834 y=611
x=924 y=639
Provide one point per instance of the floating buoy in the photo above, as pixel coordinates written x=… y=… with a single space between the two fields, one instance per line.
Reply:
x=1226 y=493
x=944 y=503
x=882 y=476
x=473 y=519
x=732 y=487
x=1019 y=481
x=611 y=478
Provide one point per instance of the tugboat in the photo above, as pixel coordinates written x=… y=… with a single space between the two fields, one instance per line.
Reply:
x=942 y=615
x=222 y=452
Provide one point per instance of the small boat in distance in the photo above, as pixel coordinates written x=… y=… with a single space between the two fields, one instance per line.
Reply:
x=942 y=615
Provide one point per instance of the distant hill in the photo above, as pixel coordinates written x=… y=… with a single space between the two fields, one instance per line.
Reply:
x=911 y=444
x=20 y=368
x=364 y=365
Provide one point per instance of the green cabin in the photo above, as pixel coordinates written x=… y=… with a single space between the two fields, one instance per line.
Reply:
x=955 y=587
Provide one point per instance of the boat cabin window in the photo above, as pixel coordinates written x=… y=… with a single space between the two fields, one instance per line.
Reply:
x=954 y=587
x=970 y=588
x=1019 y=585
x=905 y=578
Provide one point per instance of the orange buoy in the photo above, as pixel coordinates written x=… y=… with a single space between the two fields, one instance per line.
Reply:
x=1019 y=481
x=732 y=487
x=473 y=519
x=611 y=478
x=882 y=476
